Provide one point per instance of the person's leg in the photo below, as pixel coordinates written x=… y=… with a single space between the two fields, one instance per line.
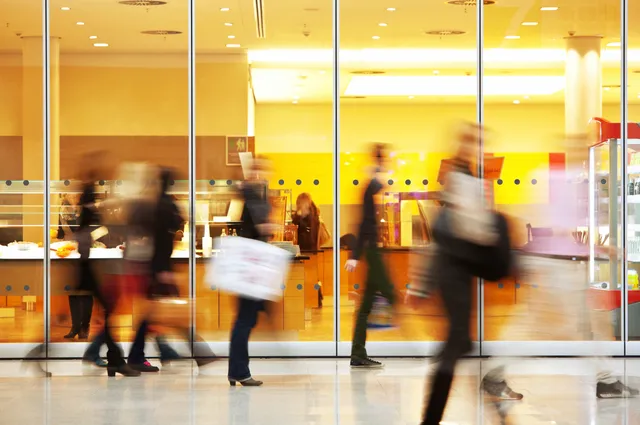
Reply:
x=92 y=353
x=239 y=345
x=137 y=358
x=378 y=270
x=75 y=307
x=87 y=312
x=358 y=345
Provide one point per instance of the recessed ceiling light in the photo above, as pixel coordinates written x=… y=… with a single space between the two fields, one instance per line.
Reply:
x=228 y=24
x=231 y=36
x=526 y=97
x=549 y=8
x=93 y=37
x=382 y=24
x=376 y=37
x=322 y=72
x=79 y=23
x=295 y=102
x=607 y=88
x=224 y=9
x=516 y=102
x=100 y=45
x=65 y=8
x=411 y=97
x=391 y=9
x=529 y=24
x=512 y=37
x=614 y=44
x=233 y=46
x=436 y=72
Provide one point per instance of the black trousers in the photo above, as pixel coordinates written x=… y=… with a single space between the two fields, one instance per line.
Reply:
x=246 y=320
x=456 y=296
x=81 y=308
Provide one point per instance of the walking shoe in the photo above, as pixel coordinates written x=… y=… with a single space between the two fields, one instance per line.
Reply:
x=615 y=390
x=365 y=363
x=499 y=390
x=144 y=367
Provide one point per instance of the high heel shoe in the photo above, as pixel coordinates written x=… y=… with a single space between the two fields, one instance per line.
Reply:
x=123 y=369
x=72 y=334
x=249 y=382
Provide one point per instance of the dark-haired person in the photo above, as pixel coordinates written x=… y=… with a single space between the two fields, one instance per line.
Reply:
x=378 y=281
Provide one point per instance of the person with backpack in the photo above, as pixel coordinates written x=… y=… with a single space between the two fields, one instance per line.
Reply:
x=468 y=241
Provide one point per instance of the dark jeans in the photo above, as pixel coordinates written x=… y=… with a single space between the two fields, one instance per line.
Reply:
x=456 y=296
x=81 y=307
x=137 y=355
x=378 y=282
x=246 y=320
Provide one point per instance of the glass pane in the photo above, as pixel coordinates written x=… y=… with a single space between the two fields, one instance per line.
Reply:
x=121 y=99
x=264 y=86
x=543 y=87
x=407 y=86
x=21 y=175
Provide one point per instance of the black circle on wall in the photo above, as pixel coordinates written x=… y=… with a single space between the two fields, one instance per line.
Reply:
x=316 y=182
x=603 y=181
x=8 y=182
x=212 y=182
x=355 y=182
x=25 y=182
x=229 y=182
x=281 y=182
x=425 y=182
x=119 y=182
x=172 y=182
x=517 y=181
x=101 y=182
x=67 y=182
x=499 y=182
x=390 y=182
x=407 y=182
x=298 y=182
x=534 y=181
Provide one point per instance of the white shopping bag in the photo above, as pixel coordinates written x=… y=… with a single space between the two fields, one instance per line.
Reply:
x=249 y=268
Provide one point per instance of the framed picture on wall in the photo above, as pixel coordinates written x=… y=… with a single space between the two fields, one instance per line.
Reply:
x=236 y=145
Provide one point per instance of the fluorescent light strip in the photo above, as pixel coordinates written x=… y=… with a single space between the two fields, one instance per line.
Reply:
x=549 y=8
x=529 y=24
x=452 y=85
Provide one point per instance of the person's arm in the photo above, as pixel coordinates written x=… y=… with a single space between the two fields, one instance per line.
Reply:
x=365 y=231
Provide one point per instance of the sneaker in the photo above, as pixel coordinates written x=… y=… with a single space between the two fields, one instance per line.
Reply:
x=365 y=363
x=144 y=367
x=615 y=390
x=499 y=390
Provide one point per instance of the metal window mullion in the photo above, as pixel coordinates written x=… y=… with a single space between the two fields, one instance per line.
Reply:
x=46 y=76
x=480 y=120
x=336 y=172
x=192 y=172
x=623 y=165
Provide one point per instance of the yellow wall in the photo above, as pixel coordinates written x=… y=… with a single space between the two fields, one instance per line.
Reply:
x=10 y=101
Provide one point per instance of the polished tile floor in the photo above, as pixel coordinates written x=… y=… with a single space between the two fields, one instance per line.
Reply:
x=310 y=391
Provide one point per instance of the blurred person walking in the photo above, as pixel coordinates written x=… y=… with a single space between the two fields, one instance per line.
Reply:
x=377 y=281
x=255 y=225
x=468 y=241
x=87 y=280
x=558 y=265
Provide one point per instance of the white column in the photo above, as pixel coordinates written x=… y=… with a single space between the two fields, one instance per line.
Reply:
x=583 y=90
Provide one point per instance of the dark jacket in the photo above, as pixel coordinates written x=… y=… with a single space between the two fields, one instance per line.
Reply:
x=368 y=232
x=308 y=229
x=256 y=209
x=167 y=222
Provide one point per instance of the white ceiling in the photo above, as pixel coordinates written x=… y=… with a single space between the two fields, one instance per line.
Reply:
x=303 y=30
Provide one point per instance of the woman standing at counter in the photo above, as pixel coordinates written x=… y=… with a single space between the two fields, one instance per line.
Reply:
x=307 y=218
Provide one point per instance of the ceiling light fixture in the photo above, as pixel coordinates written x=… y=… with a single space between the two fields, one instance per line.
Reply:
x=411 y=97
x=614 y=44
x=391 y=9
x=382 y=24
x=79 y=23
x=65 y=8
x=231 y=36
x=233 y=46
x=512 y=37
x=295 y=102
x=322 y=72
x=516 y=102
x=228 y=24
x=526 y=97
x=93 y=37
x=376 y=37
x=529 y=24
x=224 y=9
x=549 y=8
x=100 y=45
